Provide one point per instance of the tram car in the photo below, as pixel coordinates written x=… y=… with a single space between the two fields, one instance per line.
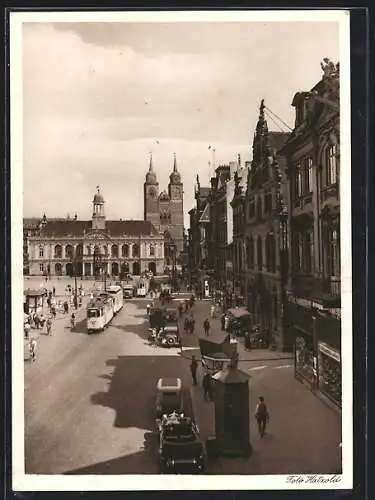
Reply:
x=116 y=292
x=100 y=311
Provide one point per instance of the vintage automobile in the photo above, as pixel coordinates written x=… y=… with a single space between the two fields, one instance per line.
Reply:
x=169 y=336
x=180 y=448
x=171 y=314
x=240 y=320
x=169 y=396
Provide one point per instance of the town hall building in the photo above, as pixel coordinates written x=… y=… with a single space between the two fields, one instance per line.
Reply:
x=75 y=247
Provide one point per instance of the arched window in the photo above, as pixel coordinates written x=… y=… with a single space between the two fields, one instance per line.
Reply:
x=41 y=250
x=69 y=252
x=105 y=250
x=79 y=250
x=125 y=250
x=58 y=252
x=135 y=250
x=152 y=251
x=88 y=250
x=259 y=253
x=114 y=251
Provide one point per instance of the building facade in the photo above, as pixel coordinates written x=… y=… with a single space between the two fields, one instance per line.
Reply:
x=93 y=247
x=199 y=239
x=219 y=200
x=260 y=259
x=313 y=160
x=165 y=210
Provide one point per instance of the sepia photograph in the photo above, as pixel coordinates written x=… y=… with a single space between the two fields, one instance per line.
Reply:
x=181 y=278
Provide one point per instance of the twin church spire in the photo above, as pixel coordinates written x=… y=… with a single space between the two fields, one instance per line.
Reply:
x=175 y=177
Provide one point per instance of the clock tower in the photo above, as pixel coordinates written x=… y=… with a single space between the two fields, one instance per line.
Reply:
x=151 y=197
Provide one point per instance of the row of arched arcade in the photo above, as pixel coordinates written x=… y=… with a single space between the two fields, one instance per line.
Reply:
x=80 y=268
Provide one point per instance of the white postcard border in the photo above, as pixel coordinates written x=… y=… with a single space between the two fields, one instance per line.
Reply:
x=31 y=482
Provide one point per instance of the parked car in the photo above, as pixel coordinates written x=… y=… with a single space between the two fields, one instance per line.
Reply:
x=171 y=314
x=240 y=320
x=180 y=448
x=169 y=396
x=169 y=336
x=128 y=291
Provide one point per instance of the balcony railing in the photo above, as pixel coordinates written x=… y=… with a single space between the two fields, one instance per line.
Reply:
x=326 y=289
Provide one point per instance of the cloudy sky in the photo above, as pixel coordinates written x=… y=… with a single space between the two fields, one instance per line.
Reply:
x=98 y=97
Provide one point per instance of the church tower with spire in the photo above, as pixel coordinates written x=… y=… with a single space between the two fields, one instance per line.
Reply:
x=165 y=209
x=151 y=197
x=176 y=195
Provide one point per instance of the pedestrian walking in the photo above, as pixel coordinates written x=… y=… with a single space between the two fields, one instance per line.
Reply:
x=148 y=309
x=36 y=321
x=192 y=325
x=193 y=369
x=186 y=324
x=53 y=310
x=212 y=311
x=49 y=326
x=54 y=291
x=27 y=328
x=222 y=322
x=66 y=307
x=247 y=341
x=73 y=320
x=32 y=349
x=206 y=326
x=226 y=323
x=261 y=415
x=206 y=386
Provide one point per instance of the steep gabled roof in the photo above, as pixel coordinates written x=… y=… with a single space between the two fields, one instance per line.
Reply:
x=113 y=228
x=130 y=227
x=277 y=140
